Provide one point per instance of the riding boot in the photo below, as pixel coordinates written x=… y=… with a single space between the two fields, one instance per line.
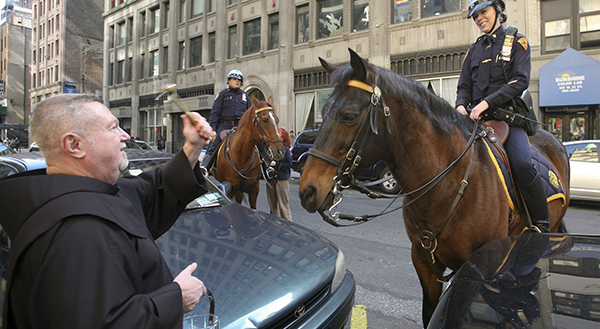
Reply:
x=534 y=195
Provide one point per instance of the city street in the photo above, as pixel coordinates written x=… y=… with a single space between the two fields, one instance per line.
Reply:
x=378 y=254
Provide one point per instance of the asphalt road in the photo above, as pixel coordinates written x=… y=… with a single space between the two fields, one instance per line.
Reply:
x=378 y=254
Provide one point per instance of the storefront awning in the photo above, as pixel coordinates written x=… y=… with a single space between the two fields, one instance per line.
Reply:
x=570 y=79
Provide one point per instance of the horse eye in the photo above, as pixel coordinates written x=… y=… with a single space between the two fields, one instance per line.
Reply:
x=349 y=117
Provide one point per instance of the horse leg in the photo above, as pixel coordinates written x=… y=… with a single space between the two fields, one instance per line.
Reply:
x=432 y=288
x=253 y=195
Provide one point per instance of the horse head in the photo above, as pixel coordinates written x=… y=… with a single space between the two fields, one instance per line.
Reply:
x=264 y=123
x=352 y=136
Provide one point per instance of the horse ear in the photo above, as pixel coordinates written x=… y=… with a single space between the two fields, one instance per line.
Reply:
x=255 y=101
x=358 y=64
x=327 y=66
x=270 y=100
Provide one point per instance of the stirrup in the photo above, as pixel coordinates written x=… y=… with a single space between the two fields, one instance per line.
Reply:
x=532 y=229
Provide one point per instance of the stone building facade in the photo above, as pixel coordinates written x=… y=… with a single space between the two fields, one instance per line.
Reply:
x=15 y=49
x=67 y=48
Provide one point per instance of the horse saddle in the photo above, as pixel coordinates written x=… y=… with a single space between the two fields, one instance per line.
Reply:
x=494 y=142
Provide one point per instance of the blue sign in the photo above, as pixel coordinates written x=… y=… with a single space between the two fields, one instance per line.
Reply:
x=70 y=87
x=570 y=79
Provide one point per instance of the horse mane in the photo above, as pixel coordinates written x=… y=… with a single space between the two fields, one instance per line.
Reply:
x=409 y=92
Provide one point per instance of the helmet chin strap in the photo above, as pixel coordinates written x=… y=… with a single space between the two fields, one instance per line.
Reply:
x=494 y=27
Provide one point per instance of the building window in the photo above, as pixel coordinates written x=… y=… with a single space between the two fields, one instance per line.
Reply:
x=154 y=61
x=197 y=8
x=57 y=22
x=110 y=74
x=120 y=72
x=252 y=36
x=233 y=45
x=56 y=73
x=129 y=29
x=231 y=2
x=142 y=63
x=438 y=7
x=154 y=20
x=360 y=15
x=181 y=58
x=142 y=25
x=401 y=11
x=570 y=23
x=129 y=74
x=166 y=8
x=165 y=63
x=302 y=24
x=273 y=41
x=56 y=46
x=196 y=51
x=331 y=18
x=212 y=5
x=121 y=33
x=34 y=52
x=33 y=81
x=212 y=42
x=182 y=11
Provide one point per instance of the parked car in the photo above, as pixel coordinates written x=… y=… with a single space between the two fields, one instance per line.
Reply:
x=585 y=169
x=4 y=149
x=528 y=280
x=34 y=147
x=305 y=140
x=264 y=272
x=138 y=144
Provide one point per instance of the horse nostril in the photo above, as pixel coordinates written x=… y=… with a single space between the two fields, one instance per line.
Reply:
x=307 y=196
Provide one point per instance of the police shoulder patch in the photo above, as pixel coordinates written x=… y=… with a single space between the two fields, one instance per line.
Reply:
x=217 y=96
x=523 y=42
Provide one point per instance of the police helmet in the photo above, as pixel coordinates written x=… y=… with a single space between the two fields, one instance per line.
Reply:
x=477 y=5
x=235 y=74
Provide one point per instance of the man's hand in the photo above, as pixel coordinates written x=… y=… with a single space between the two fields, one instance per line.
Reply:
x=462 y=110
x=479 y=109
x=191 y=288
x=196 y=136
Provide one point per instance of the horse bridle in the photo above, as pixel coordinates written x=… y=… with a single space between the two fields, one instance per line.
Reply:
x=344 y=177
x=353 y=156
x=263 y=139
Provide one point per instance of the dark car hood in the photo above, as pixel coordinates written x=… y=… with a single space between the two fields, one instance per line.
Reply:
x=537 y=280
x=272 y=260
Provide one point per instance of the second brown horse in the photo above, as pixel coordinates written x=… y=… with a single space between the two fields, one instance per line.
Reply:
x=238 y=159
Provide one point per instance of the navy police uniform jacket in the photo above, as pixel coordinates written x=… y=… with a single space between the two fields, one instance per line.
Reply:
x=229 y=105
x=83 y=253
x=498 y=91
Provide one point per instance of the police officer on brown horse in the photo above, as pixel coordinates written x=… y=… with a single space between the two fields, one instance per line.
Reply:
x=491 y=79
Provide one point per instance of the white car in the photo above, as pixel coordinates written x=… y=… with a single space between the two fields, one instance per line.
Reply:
x=585 y=169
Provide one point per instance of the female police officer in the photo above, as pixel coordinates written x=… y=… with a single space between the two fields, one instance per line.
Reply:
x=484 y=85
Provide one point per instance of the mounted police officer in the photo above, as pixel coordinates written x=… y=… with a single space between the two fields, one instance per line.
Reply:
x=228 y=107
x=491 y=79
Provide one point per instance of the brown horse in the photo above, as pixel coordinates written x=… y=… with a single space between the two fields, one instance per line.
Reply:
x=455 y=197
x=238 y=159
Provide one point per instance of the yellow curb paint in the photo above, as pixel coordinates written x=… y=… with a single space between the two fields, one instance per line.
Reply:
x=359 y=317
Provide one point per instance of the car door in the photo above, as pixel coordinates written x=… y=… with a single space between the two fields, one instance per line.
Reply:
x=585 y=171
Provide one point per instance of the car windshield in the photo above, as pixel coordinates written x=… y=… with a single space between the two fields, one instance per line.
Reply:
x=308 y=137
x=4 y=150
x=133 y=145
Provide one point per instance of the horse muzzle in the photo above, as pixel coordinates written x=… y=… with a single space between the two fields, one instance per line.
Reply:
x=310 y=201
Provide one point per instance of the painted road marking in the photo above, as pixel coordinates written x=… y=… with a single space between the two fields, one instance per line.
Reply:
x=359 y=317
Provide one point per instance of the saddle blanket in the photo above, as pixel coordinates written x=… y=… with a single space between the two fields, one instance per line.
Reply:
x=553 y=185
